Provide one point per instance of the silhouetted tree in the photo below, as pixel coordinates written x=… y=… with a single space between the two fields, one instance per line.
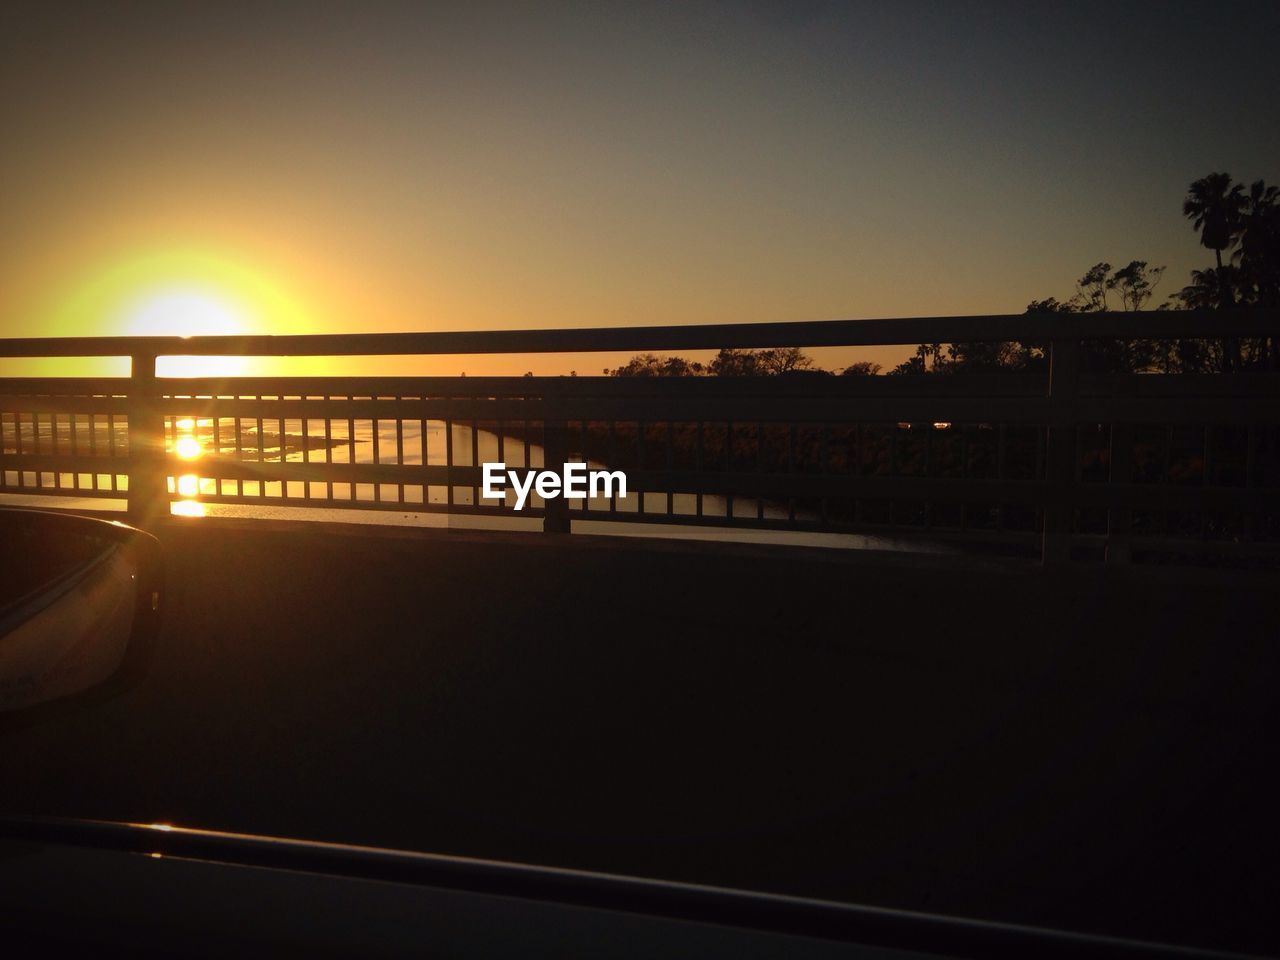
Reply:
x=1228 y=217
x=1091 y=289
x=863 y=368
x=652 y=365
x=1135 y=283
x=1203 y=292
x=1051 y=305
x=759 y=363
x=783 y=360
x=929 y=358
x=994 y=356
x=914 y=364
x=1214 y=206
x=1258 y=257
x=778 y=361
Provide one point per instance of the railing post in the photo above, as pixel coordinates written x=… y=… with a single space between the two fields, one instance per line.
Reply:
x=1061 y=461
x=1120 y=519
x=148 y=480
x=555 y=451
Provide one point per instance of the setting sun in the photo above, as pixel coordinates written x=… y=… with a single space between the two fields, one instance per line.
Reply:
x=185 y=290
x=183 y=313
x=189 y=313
x=188 y=448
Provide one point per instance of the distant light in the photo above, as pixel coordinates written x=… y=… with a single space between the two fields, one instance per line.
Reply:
x=942 y=425
x=188 y=485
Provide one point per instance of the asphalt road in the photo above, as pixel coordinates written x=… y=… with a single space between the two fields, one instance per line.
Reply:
x=1087 y=750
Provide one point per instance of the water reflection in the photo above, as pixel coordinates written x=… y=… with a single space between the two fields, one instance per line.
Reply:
x=187 y=447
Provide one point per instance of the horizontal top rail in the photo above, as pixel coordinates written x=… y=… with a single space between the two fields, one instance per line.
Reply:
x=818 y=333
x=667 y=387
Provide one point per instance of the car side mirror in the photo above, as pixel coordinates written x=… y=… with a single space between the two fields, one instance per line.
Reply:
x=80 y=604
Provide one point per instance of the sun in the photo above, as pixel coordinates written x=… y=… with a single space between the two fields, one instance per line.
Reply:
x=182 y=313
x=178 y=291
x=188 y=448
x=188 y=313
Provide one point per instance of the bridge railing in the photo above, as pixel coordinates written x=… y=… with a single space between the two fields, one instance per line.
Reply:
x=1069 y=463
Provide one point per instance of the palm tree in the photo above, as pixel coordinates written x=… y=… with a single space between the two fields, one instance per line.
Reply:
x=1259 y=253
x=1214 y=206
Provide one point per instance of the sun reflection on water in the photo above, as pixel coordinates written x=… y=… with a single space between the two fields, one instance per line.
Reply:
x=187 y=447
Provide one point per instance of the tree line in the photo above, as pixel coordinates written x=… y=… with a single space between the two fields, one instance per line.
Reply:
x=1240 y=224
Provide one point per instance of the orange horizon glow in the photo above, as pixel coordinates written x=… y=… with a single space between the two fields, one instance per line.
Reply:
x=408 y=169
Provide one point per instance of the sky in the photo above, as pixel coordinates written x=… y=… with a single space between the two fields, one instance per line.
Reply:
x=343 y=167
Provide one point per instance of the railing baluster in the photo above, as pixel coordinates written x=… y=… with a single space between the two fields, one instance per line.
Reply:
x=698 y=465
x=1120 y=519
x=306 y=454
x=328 y=449
x=475 y=459
x=1064 y=373
x=759 y=466
x=555 y=516
x=671 y=465
x=400 y=456
x=239 y=454
x=613 y=459
x=729 y=465
x=262 y=456
x=448 y=459
x=351 y=456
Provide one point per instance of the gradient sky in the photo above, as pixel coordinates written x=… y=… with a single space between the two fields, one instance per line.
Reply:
x=335 y=167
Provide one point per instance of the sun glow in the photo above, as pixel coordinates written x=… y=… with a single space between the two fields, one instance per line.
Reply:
x=182 y=313
x=188 y=448
x=178 y=292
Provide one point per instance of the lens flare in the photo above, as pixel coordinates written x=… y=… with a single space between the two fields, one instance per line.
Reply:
x=188 y=485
